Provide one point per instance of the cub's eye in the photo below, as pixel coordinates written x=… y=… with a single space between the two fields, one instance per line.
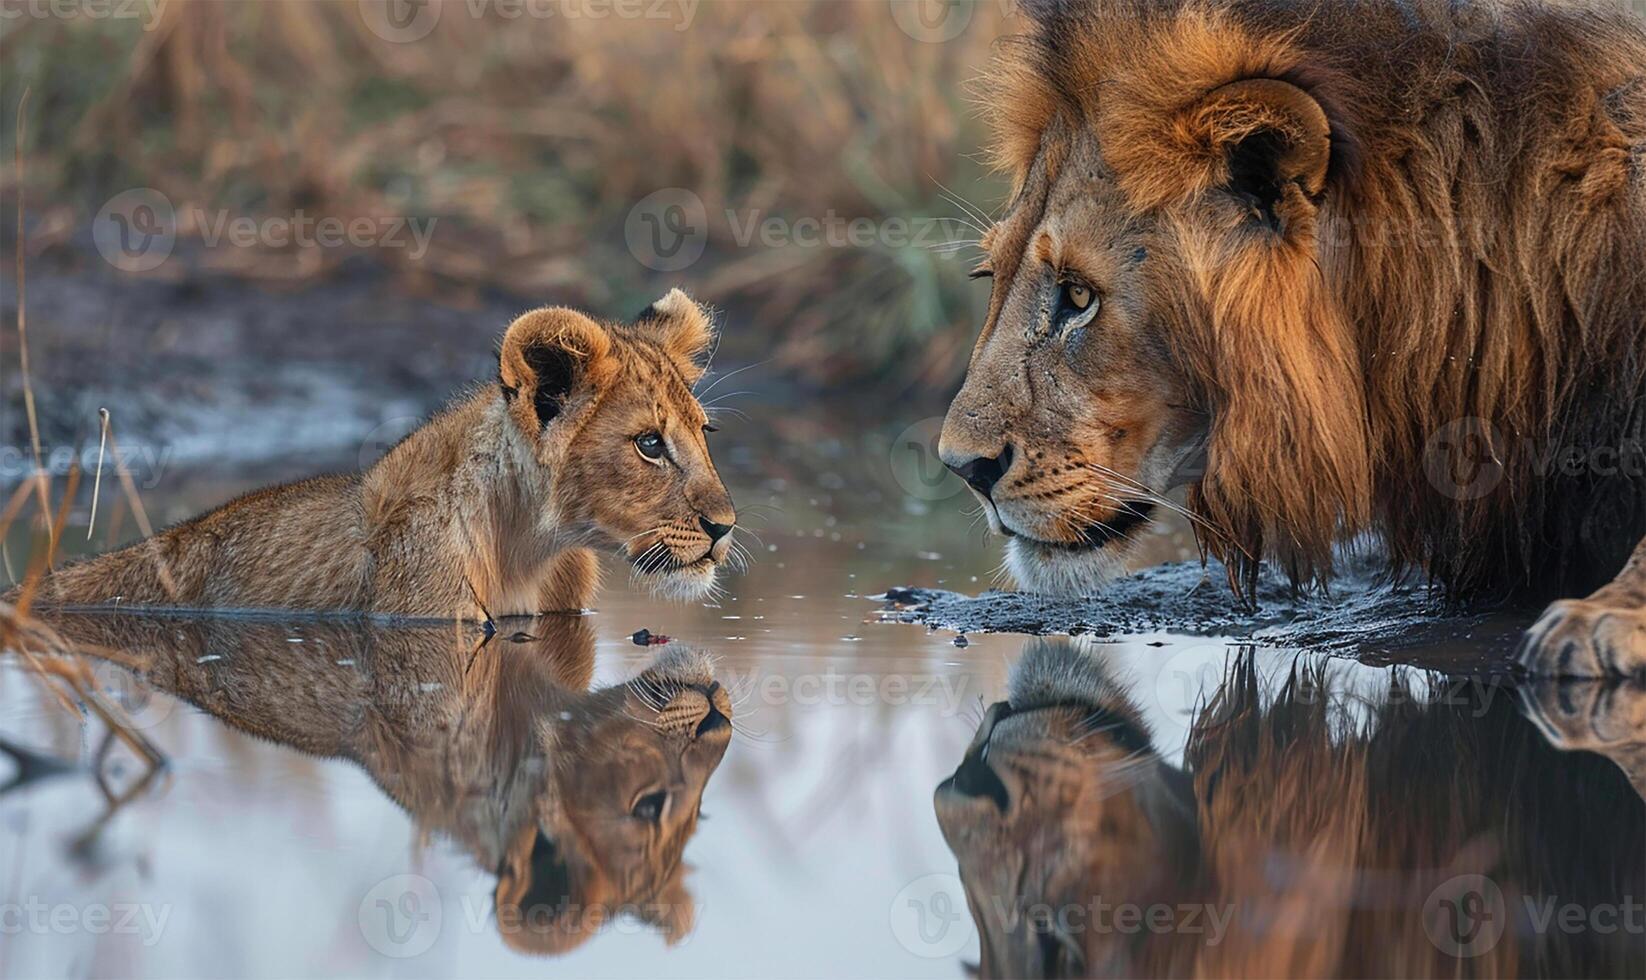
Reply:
x=711 y=428
x=650 y=807
x=650 y=445
x=981 y=272
x=1077 y=305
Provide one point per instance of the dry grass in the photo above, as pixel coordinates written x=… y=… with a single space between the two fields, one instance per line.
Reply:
x=529 y=140
x=61 y=668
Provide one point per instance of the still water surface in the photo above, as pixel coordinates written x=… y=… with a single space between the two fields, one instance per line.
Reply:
x=343 y=799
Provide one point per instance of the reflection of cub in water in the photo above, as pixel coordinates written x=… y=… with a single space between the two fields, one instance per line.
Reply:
x=581 y=801
x=1307 y=835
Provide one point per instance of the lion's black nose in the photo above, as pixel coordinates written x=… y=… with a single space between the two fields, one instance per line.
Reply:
x=713 y=530
x=982 y=472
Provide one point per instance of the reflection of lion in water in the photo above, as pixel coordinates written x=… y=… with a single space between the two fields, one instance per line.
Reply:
x=1302 y=838
x=581 y=802
x=1336 y=268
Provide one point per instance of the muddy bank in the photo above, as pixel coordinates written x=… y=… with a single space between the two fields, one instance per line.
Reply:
x=209 y=370
x=216 y=370
x=1364 y=614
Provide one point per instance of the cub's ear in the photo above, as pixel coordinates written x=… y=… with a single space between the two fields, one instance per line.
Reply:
x=672 y=911
x=544 y=896
x=545 y=354
x=685 y=330
x=1275 y=143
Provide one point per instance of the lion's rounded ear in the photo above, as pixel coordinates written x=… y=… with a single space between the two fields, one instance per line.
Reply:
x=547 y=901
x=672 y=911
x=684 y=328
x=1272 y=136
x=545 y=354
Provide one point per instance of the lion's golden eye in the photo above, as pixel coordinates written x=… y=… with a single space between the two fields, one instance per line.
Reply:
x=650 y=445
x=1077 y=304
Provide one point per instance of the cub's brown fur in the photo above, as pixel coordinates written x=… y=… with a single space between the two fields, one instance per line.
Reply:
x=487 y=509
x=496 y=745
x=1337 y=268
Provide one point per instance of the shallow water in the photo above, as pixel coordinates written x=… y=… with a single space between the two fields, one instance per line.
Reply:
x=313 y=816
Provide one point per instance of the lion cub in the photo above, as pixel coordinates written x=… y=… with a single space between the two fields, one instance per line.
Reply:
x=590 y=437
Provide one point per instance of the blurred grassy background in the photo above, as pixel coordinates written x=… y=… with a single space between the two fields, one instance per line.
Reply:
x=530 y=139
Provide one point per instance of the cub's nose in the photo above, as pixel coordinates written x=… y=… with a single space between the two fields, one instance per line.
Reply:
x=719 y=715
x=981 y=473
x=713 y=530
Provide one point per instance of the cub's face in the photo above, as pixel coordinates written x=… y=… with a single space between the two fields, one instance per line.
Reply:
x=608 y=414
x=1074 y=418
x=628 y=767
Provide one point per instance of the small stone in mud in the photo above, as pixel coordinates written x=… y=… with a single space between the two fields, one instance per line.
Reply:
x=961 y=641
x=646 y=638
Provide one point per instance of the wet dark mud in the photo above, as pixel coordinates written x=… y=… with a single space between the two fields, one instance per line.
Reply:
x=1363 y=614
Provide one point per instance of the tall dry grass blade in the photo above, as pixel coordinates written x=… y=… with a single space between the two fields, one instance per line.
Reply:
x=19 y=497
x=22 y=319
x=40 y=562
x=97 y=481
x=60 y=520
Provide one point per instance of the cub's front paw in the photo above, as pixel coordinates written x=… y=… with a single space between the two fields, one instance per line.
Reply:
x=1585 y=638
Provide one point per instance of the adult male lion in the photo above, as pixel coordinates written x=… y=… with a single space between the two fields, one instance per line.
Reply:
x=1339 y=268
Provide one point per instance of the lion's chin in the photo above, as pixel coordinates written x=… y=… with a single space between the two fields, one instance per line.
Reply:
x=1061 y=571
x=685 y=584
